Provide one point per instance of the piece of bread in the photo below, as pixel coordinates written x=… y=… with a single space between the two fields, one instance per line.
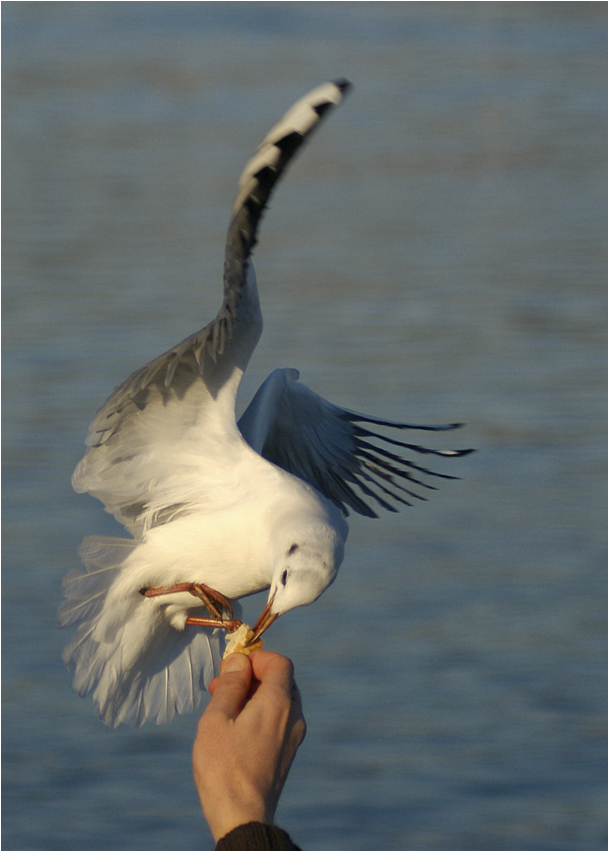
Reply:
x=236 y=642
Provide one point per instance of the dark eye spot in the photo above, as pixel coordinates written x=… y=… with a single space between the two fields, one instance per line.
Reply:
x=284 y=577
x=292 y=549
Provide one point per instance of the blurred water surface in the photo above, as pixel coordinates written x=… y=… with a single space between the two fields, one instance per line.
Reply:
x=436 y=254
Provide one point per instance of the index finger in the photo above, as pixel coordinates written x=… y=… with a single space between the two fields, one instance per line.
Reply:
x=231 y=688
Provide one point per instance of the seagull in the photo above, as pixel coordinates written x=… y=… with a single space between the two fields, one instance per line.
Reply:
x=219 y=510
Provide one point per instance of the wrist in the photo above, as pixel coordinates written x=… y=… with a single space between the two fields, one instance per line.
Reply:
x=228 y=816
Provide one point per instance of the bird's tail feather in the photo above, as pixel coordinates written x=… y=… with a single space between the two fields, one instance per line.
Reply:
x=85 y=592
x=166 y=675
x=167 y=680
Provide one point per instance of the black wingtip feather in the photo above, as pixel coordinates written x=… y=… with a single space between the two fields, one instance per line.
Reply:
x=290 y=143
x=322 y=109
x=343 y=84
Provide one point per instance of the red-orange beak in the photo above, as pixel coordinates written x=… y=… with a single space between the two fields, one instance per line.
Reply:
x=264 y=622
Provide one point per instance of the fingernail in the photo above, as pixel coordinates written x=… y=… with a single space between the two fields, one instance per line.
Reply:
x=234 y=663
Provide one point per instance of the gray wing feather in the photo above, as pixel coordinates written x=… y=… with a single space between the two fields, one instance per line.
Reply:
x=298 y=430
x=197 y=355
x=194 y=371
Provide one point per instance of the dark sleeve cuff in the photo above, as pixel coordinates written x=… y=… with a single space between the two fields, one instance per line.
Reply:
x=256 y=835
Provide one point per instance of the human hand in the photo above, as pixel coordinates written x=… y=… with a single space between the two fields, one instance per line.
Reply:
x=246 y=740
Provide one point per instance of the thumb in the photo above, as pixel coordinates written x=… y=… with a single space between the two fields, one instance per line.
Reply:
x=232 y=686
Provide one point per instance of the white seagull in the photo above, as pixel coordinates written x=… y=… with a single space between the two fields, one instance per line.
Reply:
x=218 y=509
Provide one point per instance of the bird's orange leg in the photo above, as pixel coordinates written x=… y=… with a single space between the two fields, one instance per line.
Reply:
x=166 y=590
x=214 y=602
x=227 y=624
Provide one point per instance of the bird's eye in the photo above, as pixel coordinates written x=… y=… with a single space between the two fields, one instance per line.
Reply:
x=292 y=549
x=284 y=577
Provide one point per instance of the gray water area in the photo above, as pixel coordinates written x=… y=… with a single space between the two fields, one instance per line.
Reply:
x=436 y=254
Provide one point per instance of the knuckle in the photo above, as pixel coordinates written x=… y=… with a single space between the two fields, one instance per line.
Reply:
x=286 y=666
x=300 y=731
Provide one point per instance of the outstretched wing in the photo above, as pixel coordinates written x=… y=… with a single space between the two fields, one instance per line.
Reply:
x=327 y=446
x=165 y=437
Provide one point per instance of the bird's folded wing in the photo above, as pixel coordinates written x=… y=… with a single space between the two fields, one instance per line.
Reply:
x=167 y=436
x=328 y=447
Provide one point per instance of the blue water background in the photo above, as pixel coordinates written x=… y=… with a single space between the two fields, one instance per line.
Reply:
x=436 y=254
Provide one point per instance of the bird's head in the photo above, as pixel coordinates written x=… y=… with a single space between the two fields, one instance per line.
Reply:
x=305 y=565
